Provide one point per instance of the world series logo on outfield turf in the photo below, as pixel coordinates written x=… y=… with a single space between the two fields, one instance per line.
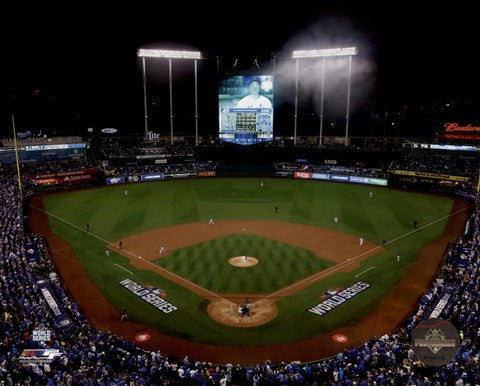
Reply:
x=148 y=295
x=339 y=298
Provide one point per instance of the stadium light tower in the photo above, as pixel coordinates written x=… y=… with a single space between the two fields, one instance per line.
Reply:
x=326 y=53
x=169 y=54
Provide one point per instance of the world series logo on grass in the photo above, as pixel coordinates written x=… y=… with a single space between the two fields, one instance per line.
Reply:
x=149 y=295
x=339 y=298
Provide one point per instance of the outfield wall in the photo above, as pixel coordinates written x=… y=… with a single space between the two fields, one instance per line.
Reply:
x=342 y=178
x=157 y=177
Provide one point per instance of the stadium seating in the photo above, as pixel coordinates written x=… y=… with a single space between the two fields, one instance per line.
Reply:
x=88 y=356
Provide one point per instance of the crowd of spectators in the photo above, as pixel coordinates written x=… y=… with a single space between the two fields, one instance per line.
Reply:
x=96 y=357
x=456 y=163
x=355 y=143
x=53 y=167
x=122 y=157
x=124 y=148
x=138 y=169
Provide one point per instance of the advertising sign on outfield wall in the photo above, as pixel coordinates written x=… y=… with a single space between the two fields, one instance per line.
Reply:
x=207 y=173
x=181 y=175
x=152 y=177
x=343 y=178
x=281 y=173
x=303 y=175
x=115 y=180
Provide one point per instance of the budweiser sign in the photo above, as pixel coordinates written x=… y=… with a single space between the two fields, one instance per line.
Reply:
x=455 y=127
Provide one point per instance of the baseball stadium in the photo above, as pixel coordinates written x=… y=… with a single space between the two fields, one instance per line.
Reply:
x=257 y=253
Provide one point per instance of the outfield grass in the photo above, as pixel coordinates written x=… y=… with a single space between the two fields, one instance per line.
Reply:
x=112 y=216
x=206 y=264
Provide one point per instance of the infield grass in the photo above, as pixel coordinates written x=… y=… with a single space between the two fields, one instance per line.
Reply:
x=111 y=215
x=280 y=264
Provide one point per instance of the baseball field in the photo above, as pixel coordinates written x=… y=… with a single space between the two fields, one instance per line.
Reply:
x=287 y=262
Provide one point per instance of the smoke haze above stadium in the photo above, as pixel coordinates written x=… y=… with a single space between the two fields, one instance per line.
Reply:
x=83 y=55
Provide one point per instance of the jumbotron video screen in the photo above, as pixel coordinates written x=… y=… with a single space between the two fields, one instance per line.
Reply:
x=246 y=109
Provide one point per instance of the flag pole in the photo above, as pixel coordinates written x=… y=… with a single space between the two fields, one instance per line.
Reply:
x=16 y=158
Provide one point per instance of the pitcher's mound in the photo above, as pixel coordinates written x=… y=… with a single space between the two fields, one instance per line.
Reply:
x=243 y=261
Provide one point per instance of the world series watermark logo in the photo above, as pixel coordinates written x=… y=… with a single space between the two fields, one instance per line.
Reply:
x=435 y=341
x=41 y=334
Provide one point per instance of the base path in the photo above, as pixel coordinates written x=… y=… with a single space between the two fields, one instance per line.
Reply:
x=337 y=247
x=391 y=311
x=325 y=243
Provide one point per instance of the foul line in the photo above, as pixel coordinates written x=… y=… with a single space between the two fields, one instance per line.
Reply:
x=429 y=224
x=361 y=273
x=302 y=283
x=316 y=277
x=156 y=267
x=119 y=266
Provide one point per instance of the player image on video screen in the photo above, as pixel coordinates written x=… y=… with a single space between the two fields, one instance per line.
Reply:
x=246 y=109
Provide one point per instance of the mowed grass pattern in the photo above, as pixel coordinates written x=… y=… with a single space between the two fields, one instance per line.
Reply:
x=280 y=264
x=112 y=216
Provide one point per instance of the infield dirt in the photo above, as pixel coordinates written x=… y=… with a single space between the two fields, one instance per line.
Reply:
x=383 y=319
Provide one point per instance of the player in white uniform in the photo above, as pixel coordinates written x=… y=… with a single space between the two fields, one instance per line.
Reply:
x=254 y=100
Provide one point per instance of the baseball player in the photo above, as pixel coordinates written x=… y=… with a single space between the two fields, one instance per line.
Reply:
x=254 y=100
x=123 y=315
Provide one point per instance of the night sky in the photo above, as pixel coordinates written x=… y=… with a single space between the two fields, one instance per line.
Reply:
x=73 y=63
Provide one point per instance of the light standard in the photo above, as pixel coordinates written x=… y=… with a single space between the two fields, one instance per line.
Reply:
x=169 y=54
x=325 y=53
